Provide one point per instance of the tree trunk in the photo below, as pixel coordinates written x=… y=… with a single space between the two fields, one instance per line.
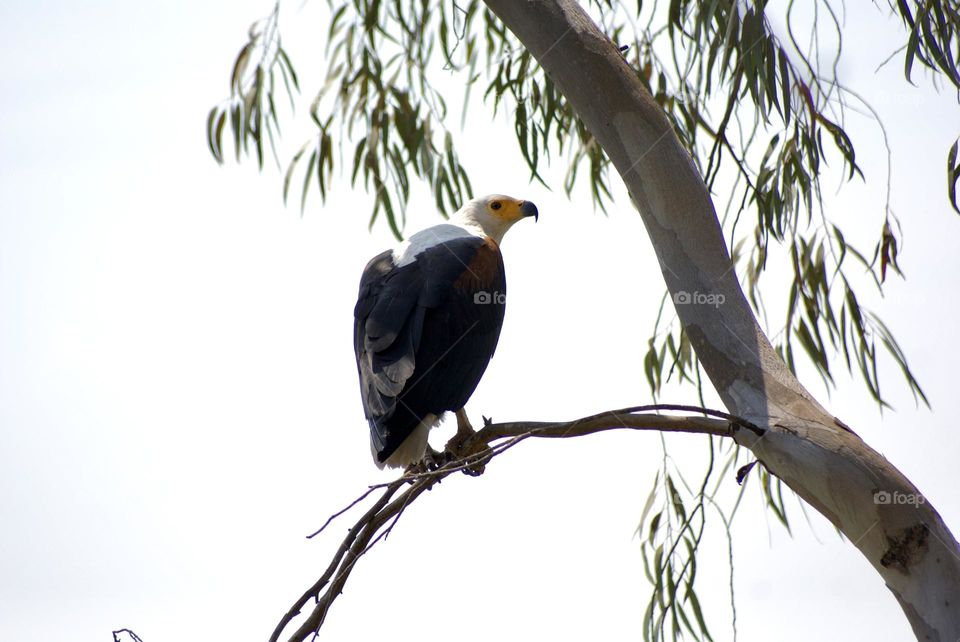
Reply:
x=814 y=453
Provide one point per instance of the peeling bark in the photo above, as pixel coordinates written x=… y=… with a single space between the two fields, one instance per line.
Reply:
x=813 y=452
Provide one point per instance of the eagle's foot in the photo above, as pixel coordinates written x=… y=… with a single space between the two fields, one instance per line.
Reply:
x=478 y=468
x=432 y=460
x=466 y=456
x=415 y=470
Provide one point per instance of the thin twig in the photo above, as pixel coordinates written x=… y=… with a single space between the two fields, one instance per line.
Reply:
x=314 y=591
x=344 y=510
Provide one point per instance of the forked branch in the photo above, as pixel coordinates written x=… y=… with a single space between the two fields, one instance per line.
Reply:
x=493 y=439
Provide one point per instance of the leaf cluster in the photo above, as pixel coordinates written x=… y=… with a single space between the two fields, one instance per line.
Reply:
x=756 y=110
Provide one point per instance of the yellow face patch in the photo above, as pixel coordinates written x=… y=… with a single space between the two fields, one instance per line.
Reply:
x=507 y=209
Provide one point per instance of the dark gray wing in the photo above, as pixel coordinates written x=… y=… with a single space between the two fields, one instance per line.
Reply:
x=389 y=317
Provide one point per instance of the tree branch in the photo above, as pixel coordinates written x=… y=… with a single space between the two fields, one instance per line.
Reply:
x=492 y=440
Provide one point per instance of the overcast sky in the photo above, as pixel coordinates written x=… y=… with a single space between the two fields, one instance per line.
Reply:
x=178 y=396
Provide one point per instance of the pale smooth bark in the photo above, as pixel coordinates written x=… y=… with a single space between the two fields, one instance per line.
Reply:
x=815 y=454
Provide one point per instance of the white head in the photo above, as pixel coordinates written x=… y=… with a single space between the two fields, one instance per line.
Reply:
x=494 y=214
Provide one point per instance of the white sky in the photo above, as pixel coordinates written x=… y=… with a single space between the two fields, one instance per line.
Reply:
x=178 y=403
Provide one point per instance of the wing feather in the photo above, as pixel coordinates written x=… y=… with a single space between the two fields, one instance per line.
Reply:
x=392 y=310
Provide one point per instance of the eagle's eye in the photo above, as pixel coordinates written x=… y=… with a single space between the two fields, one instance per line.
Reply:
x=495 y=205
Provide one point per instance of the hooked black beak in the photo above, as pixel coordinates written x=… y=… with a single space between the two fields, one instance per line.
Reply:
x=529 y=209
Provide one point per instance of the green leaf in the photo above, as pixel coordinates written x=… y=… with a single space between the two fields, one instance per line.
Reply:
x=287 y=68
x=215 y=123
x=912 y=45
x=288 y=176
x=306 y=179
x=648 y=504
x=240 y=67
x=953 y=175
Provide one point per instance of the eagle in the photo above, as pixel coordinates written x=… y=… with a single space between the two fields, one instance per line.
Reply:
x=426 y=323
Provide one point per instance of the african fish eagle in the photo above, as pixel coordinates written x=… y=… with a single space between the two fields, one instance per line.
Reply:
x=426 y=324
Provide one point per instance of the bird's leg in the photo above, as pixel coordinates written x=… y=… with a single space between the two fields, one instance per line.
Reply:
x=457 y=446
x=464 y=429
x=464 y=432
